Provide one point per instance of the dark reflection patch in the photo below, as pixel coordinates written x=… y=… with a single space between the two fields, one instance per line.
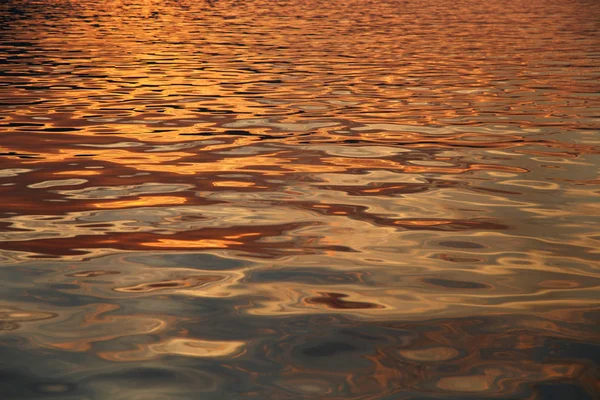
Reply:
x=328 y=349
x=452 y=284
x=336 y=300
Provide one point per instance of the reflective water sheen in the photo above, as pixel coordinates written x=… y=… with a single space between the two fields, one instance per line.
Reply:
x=299 y=199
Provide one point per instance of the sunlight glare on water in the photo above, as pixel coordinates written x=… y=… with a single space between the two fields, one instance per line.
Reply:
x=299 y=199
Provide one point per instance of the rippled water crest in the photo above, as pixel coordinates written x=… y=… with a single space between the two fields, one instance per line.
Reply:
x=344 y=199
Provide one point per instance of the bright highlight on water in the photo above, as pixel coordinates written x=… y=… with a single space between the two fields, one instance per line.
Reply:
x=299 y=199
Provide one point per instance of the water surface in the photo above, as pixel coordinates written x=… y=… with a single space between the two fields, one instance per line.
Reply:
x=299 y=199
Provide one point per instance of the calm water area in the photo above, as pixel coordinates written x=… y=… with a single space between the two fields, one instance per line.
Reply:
x=299 y=199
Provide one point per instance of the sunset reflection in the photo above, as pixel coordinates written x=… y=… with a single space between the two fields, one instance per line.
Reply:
x=299 y=200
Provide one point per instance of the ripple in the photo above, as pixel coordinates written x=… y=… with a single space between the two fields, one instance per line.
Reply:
x=299 y=199
x=197 y=348
x=193 y=281
x=431 y=354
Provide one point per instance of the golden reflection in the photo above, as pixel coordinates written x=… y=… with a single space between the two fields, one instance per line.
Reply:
x=80 y=332
x=125 y=157
x=336 y=202
x=178 y=347
x=233 y=184
x=469 y=383
x=12 y=318
x=192 y=281
x=146 y=201
x=431 y=354
x=197 y=348
x=198 y=244
x=78 y=172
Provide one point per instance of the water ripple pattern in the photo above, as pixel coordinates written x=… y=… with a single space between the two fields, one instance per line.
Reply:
x=299 y=199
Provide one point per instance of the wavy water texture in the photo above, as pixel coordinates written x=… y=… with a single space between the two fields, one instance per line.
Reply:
x=300 y=199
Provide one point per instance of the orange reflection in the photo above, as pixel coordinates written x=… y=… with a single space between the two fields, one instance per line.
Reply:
x=200 y=243
x=146 y=201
